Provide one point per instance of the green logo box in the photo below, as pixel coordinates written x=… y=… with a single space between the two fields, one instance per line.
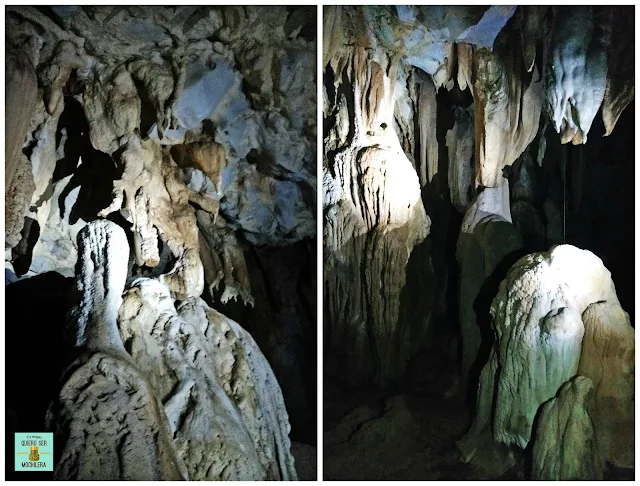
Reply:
x=34 y=451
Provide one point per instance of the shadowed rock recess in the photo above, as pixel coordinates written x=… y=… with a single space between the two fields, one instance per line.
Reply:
x=478 y=205
x=160 y=195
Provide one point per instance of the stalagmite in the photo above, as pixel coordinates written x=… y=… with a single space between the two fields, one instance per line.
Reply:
x=222 y=401
x=477 y=104
x=538 y=321
x=106 y=417
x=566 y=444
x=607 y=359
x=155 y=146
x=208 y=407
x=537 y=317
x=374 y=233
x=373 y=219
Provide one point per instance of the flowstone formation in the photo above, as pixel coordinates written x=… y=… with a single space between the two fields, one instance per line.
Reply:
x=556 y=316
x=160 y=392
x=455 y=96
x=151 y=151
x=373 y=215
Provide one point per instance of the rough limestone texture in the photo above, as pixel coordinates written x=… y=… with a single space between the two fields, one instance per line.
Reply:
x=478 y=447
x=194 y=128
x=222 y=401
x=577 y=77
x=56 y=248
x=111 y=426
x=159 y=392
x=537 y=317
x=566 y=443
x=103 y=256
x=20 y=94
x=608 y=360
x=368 y=243
x=157 y=205
x=112 y=107
x=16 y=199
x=229 y=91
x=373 y=212
x=507 y=112
x=223 y=260
x=107 y=420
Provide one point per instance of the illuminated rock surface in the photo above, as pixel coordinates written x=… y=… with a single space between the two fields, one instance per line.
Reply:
x=478 y=106
x=607 y=358
x=373 y=218
x=162 y=148
x=556 y=315
x=183 y=364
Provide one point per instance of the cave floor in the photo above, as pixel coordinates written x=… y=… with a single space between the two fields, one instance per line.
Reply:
x=406 y=434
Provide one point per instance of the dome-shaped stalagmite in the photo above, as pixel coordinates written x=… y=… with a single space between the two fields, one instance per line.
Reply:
x=556 y=316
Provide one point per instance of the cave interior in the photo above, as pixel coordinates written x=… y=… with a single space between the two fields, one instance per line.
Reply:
x=160 y=240
x=479 y=270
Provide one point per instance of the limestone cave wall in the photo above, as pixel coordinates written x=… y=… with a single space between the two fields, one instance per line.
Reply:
x=160 y=194
x=458 y=143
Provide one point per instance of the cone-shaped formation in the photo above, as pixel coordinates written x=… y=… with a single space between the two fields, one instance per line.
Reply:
x=182 y=393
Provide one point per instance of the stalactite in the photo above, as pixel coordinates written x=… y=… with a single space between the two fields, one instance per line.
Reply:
x=373 y=217
x=574 y=96
x=427 y=119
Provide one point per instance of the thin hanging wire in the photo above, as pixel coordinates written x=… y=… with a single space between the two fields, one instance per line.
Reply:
x=563 y=163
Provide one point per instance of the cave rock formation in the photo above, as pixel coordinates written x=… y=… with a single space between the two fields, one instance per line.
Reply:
x=374 y=215
x=556 y=316
x=150 y=150
x=566 y=447
x=160 y=392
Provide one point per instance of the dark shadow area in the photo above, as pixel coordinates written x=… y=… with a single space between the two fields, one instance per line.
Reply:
x=35 y=316
x=482 y=309
x=21 y=255
x=283 y=323
x=96 y=170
